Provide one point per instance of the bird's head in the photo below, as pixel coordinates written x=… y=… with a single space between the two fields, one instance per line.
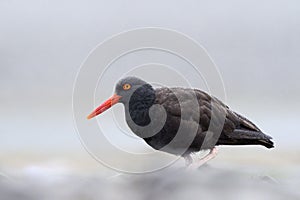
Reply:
x=123 y=92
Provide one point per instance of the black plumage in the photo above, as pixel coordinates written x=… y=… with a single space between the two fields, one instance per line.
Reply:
x=140 y=98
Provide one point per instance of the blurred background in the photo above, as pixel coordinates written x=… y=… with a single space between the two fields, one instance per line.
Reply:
x=255 y=44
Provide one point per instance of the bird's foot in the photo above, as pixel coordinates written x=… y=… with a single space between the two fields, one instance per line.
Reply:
x=196 y=164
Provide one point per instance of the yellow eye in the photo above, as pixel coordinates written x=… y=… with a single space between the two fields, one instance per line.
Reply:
x=126 y=86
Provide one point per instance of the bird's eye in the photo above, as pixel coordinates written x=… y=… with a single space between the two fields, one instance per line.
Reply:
x=126 y=86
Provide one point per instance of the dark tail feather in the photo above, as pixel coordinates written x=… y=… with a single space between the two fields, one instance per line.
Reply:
x=267 y=143
x=245 y=137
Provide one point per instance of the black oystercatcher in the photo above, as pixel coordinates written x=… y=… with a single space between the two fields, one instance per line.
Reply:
x=175 y=111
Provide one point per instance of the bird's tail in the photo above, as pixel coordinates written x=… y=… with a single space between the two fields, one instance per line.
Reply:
x=267 y=143
x=246 y=137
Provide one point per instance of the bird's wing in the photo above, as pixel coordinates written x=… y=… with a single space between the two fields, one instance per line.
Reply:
x=246 y=124
x=174 y=100
x=235 y=129
x=198 y=108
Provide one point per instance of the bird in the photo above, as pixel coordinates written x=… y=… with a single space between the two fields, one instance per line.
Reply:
x=182 y=121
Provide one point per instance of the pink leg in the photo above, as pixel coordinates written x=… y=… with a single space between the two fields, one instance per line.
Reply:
x=188 y=160
x=198 y=163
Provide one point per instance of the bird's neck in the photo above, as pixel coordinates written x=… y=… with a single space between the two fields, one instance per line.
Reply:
x=140 y=103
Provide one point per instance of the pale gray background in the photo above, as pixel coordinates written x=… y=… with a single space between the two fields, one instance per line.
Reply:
x=255 y=45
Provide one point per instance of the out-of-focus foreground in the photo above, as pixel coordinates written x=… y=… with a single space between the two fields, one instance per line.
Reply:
x=206 y=183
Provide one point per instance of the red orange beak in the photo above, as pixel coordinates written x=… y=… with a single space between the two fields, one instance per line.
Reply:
x=106 y=105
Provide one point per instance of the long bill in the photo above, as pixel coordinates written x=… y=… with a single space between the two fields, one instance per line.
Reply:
x=106 y=105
